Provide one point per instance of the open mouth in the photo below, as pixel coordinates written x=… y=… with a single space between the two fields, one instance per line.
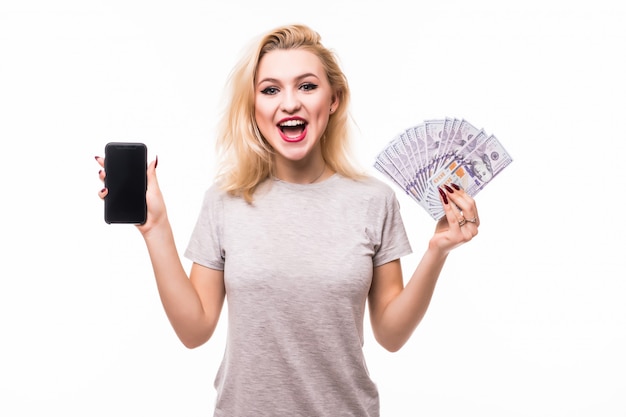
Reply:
x=292 y=130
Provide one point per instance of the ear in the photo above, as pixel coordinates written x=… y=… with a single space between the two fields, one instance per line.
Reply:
x=334 y=102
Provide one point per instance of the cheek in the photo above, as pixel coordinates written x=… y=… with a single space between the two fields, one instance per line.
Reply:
x=263 y=119
x=323 y=118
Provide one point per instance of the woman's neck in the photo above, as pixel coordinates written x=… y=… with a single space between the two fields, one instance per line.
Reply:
x=312 y=173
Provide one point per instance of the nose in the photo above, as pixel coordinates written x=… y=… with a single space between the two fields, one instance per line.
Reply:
x=290 y=102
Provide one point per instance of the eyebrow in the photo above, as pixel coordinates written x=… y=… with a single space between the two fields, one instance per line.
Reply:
x=276 y=81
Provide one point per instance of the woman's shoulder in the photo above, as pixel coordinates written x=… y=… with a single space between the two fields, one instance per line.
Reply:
x=214 y=191
x=369 y=185
x=216 y=194
x=369 y=181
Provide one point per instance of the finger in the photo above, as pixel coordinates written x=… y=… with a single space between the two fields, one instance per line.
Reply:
x=152 y=178
x=465 y=222
x=449 y=193
x=465 y=203
x=452 y=214
x=103 y=193
x=101 y=173
x=459 y=197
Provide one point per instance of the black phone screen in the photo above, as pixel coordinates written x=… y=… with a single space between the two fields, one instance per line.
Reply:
x=125 y=165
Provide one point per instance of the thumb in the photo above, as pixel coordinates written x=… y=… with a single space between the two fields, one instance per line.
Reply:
x=152 y=179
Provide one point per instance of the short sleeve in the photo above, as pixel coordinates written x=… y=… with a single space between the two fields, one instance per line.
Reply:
x=393 y=242
x=205 y=246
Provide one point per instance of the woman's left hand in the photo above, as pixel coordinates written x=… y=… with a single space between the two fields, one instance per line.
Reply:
x=461 y=221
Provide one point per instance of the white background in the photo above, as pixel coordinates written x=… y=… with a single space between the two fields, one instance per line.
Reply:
x=529 y=319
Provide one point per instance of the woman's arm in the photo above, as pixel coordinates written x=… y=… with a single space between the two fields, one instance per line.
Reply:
x=396 y=310
x=192 y=304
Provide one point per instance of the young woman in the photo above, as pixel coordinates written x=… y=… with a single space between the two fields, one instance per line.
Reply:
x=297 y=240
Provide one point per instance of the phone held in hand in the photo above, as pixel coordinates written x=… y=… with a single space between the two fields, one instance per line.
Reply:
x=125 y=165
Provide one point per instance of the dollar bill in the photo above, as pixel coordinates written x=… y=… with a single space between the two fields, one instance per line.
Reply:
x=439 y=152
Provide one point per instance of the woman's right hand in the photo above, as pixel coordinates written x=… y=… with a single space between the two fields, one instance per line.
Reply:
x=157 y=213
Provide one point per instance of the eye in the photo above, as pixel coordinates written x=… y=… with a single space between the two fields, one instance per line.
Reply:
x=308 y=86
x=270 y=91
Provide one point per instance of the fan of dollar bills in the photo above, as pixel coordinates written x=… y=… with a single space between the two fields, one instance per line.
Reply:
x=440 y=152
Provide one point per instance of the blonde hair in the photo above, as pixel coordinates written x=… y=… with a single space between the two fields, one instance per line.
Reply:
x=245 y=157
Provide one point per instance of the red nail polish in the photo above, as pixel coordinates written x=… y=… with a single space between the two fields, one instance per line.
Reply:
x=103 y=190
x=156 y=161
x=443 y=195
x=97 y=157
x=456 y=187
x=450 y=190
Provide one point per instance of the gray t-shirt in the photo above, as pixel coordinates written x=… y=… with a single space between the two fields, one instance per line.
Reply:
x=298 y=266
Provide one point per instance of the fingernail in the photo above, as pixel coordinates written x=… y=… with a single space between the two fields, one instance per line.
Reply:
x=103 y=190
x=156 y=161
x=97 y=157
x=450 y=190
x=100 y=172
x=456 y=187
x=443 y=195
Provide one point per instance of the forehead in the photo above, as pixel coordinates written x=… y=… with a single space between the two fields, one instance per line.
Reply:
x=287 y=64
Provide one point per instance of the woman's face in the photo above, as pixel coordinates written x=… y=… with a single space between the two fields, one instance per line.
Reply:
x=293 y=100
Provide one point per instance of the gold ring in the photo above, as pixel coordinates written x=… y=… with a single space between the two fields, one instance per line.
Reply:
x=472 y=220
x=462 y=222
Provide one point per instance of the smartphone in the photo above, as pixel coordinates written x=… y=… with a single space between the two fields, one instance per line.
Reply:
x=125 y=164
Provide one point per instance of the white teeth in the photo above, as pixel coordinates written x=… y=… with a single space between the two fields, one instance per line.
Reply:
x=292 y=123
